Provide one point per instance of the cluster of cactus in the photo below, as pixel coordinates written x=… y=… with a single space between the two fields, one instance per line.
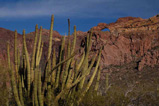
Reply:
x=63 y=78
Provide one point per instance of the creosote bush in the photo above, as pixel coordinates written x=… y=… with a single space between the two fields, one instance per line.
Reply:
x=63 y=78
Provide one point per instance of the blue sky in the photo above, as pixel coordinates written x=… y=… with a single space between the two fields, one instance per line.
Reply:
x=25 y=14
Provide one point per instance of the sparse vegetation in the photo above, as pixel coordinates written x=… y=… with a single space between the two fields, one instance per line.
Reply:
x=69 y=81
x=4 y=85
x=63 y=77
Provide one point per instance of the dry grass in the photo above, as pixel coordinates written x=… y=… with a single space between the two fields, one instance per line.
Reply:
x=5 y=90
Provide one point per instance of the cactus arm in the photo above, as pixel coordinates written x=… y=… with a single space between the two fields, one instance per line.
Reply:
x=67 y=67
x=85 y=63
x=8 y=55
x=20 y=91
x=14 y=86
x=53 y=65
x=70 y=78
x=49 y=85
x=60 y=57
x=50 y=39
x=35 y=86
x=15 y=54
x=98 y=78
x=53 y=69
x=95 y=71
x=40 y=54
x=33 y=55
x=81 y=61
x=28 y=63
x=40 y=98
x=13 y=82
x=61 y=63
x=18 y=58
x=38 y=48
x=87 y=71
x=74 y=41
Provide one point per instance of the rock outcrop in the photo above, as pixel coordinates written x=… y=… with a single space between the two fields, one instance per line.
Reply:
x=99 y=27
x=7 y=36
x=130 y=39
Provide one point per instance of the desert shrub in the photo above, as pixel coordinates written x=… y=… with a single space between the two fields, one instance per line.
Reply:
x=4 y=85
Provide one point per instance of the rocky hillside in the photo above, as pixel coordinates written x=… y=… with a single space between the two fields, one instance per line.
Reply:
x=129 y=39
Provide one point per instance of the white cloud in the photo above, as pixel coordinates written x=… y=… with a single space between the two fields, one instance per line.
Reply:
x=77 y=8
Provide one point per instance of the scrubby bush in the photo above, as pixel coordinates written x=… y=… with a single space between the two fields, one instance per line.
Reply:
x=4 y=85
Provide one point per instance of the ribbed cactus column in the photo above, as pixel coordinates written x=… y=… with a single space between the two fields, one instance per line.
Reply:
x=60 y=58
x=20 y=90
x=8 y=55
x=74 y=41
x=35 y=86
x=15 y=54
x=49 y=84
x=40 y=96
x=53 y=76
x=85 y=62
x=50 y=39
x=38 y=48
x=98 y=78
x=27 y=63
x=33 y=54
x=13 y=81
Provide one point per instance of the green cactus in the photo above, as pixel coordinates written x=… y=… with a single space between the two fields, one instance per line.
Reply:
x=27 y=63
x=20 y=91
x=15 y=54
x=35 y=86
x=63 y=77
x=8 y=55
x=98 y=78
x=53 y=77
x=50 y=39
x=85 y=62
x=49 y=85
x=40 y=96
x=33 y=54
x=107 y=82
x=13 y=81
x=38 y=48
x=14 y=85
x=92 y=78
x=60 y=57
x=40 y=54
x=74 y=41
x=18 y=57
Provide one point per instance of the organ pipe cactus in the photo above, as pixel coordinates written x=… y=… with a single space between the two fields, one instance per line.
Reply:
x=15 y=53
x=33 y=54
x=98 y=78
x=63 y=76
x=107 y=82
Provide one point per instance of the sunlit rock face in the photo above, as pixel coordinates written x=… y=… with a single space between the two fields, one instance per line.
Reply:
x=129 y=39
